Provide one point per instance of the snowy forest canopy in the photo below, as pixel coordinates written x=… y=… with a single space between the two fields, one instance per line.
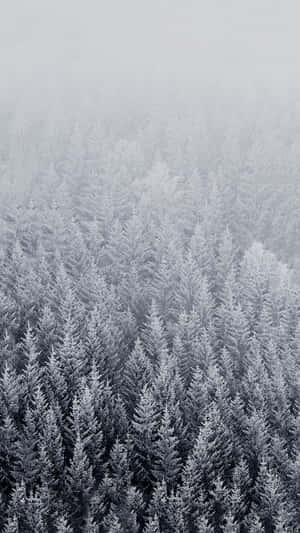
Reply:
x=150 y=318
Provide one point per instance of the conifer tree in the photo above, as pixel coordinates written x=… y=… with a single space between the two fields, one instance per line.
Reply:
x=53 y=451
x=31 y=374
x=269 y=495
x=85 y=423
x=154 y=335
x=47 y=332
x=196 y=402
x=10 y=391
x=109 y=409
x=241 y=491
x=188 y=331
x=119 y=476
x=214 y=444
x=9 y=451
x=94 y=348
x=119 y=418
x=39 y=409
x=71 y=355
x=163 y=289
x=167 y=461
x=219 y=500
x=55 y=382
x=79 y=483
x=258 y=439
x=27 y=466
x=201 y=250
x=138 y=372
x=144 y=436
x=189 y=291
x=225 y=263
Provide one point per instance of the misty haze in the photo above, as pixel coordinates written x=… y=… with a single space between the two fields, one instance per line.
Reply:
x=149 y=266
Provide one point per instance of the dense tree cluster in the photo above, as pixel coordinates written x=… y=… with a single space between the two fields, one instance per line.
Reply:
x=149 y=339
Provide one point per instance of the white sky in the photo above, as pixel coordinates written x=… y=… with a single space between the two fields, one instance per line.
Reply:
x=50 y=43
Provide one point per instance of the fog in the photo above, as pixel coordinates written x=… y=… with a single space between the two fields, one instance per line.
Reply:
x=52 y=47
x=149 y=266
x=227 y=63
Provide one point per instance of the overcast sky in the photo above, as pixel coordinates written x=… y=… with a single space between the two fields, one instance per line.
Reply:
x=50 y=43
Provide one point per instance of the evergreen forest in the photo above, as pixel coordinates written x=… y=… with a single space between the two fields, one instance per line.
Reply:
x=150 y=319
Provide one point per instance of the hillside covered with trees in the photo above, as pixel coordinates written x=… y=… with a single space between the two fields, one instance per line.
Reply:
x=150 y=320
